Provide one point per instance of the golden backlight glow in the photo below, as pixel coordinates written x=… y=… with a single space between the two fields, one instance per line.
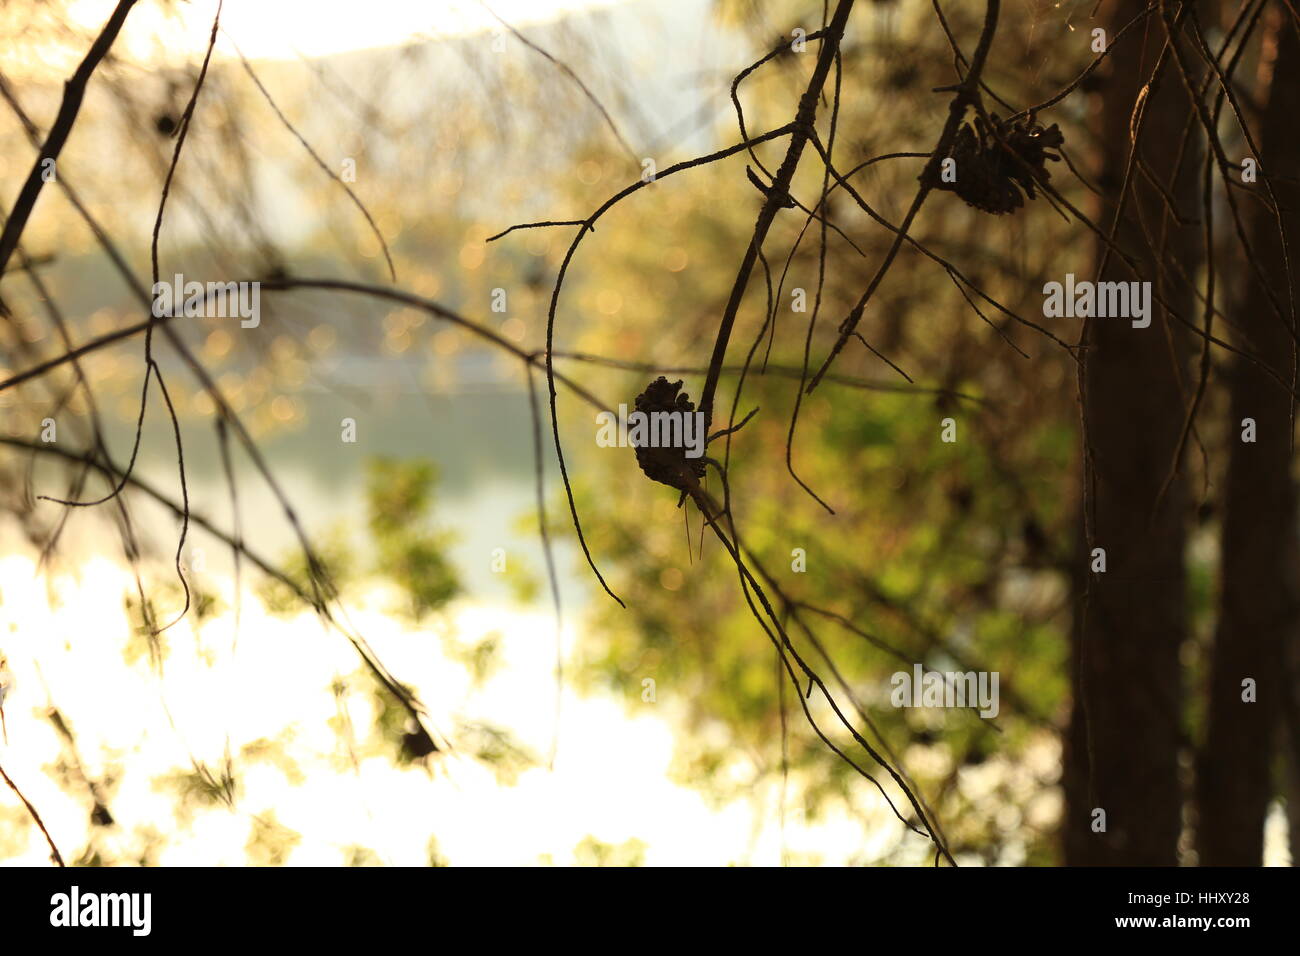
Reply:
x=596 y=767
x=164 y=32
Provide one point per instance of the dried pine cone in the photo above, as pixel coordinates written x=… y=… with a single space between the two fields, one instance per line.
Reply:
x=989 y=177
x=669 y=466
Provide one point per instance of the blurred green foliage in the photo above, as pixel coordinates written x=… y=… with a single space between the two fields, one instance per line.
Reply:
x=400 y=501
x=955 y=555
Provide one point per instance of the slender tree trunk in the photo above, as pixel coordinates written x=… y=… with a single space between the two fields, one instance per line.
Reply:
x=1123 y=745
x=1257 y=604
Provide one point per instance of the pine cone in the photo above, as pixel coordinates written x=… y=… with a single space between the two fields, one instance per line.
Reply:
x=991 y=163
x=669 y=466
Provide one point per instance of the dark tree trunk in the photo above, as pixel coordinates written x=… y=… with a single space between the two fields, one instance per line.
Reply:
x=1257 y=612
x=1123 y=746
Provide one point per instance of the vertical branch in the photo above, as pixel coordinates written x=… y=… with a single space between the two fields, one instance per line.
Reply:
x=74 y=90
x=776 y=198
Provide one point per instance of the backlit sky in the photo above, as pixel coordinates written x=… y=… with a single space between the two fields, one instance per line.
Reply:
x=158 y=31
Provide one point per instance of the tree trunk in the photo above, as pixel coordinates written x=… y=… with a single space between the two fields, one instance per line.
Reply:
x=1123 y=745
x=1257 y=613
